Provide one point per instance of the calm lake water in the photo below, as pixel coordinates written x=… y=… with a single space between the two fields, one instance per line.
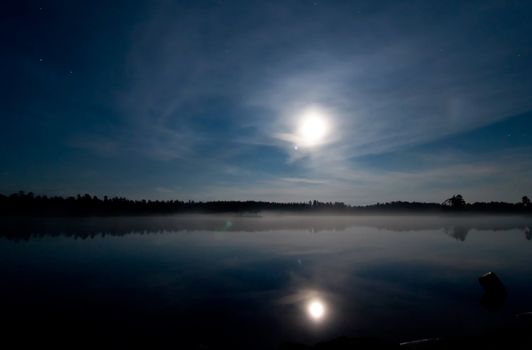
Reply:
x=257 y=282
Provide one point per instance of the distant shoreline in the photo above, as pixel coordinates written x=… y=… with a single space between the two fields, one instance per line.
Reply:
x=28 y=204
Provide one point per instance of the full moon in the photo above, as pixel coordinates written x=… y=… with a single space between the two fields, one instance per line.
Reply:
x=313 y=128
x=316 y=310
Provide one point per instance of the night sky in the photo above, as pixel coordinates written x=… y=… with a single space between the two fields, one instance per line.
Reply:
x=354 y=101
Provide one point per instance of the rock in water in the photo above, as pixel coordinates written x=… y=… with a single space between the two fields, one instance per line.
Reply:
x=494 y=291
x=491 y=283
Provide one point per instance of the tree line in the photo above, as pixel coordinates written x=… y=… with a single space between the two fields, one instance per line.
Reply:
x=22 y=203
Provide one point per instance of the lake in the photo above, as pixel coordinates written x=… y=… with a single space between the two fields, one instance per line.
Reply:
x=258 y=282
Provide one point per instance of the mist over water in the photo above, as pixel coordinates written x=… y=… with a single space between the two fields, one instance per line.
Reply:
x=261 y=281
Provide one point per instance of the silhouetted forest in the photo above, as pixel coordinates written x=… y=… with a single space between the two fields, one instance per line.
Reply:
x=22 y=203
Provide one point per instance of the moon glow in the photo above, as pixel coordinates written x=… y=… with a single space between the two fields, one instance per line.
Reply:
x=313 y=128
x=316 y=310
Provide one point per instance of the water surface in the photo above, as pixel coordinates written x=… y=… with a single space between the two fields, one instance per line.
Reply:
x=248 y=282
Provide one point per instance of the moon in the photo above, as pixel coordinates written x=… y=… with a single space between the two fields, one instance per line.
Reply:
x=313 y=128
x=316 y=309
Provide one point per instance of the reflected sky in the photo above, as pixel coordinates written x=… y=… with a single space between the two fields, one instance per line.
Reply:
x=387 y=277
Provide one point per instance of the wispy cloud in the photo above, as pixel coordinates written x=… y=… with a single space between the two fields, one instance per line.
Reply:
x=304 y=181
x=212 y=94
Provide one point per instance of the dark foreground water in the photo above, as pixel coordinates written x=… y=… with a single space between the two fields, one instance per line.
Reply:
x=257 y=282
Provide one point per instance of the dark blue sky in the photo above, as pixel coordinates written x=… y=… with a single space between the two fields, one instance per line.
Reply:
x=207 y=99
